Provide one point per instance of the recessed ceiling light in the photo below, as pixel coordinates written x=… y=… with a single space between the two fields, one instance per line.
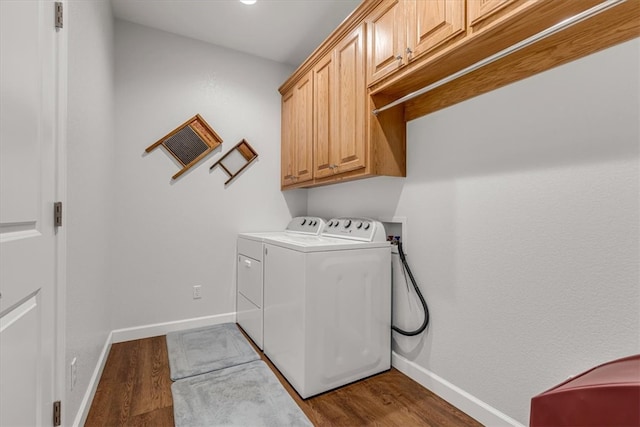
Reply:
x=248 y=1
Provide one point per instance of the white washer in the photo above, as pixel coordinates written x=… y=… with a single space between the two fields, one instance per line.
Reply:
x=249 y=282
x=327 y=305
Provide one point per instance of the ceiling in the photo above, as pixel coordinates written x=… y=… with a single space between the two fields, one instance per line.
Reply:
x=285 y=31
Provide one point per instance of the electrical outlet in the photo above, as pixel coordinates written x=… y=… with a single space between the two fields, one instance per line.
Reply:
x=74 y=372
x=197 y=292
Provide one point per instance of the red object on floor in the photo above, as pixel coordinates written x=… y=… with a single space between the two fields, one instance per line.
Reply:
x=607 y=395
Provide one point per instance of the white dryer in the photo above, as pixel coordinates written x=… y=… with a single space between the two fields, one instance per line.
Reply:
x=249 y=273
x=327 y=304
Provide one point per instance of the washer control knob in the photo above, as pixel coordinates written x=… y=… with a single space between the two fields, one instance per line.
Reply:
x=304 y=221
x=330 y=224
x=367 y=226
x=347 y=223
x=359 y=225
x=337 y=223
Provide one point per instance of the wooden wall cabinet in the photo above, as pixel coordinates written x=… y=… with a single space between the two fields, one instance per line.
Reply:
x=386 y=39
x=401 y=31
x=339 y=108
x=348 y=143
x=323 y=117
x=347 y=140
x=388 y=49
x=297 y=133
x=432 y=24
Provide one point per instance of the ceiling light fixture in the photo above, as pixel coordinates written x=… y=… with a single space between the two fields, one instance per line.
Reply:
x=248 y=1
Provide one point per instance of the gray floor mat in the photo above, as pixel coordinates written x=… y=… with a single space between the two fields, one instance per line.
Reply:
x=201 y=350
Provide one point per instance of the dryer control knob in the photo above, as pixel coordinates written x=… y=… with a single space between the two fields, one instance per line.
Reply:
x=330 y=223
x=367 y=226
x=359 y=225
x=304 y=221
x=347 y=223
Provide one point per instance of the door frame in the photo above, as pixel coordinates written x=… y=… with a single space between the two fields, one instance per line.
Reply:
x=60 y=286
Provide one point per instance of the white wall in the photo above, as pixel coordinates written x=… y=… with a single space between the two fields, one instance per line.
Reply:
x=90 y=164
x=169 y=236
x=523 y=211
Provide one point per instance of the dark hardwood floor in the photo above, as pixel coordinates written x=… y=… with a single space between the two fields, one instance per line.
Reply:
x=135 y=390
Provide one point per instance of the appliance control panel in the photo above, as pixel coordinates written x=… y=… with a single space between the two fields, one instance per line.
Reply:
x=307 y=225
x=364 y=229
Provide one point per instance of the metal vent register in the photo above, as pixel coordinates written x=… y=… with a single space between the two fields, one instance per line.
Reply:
x=189 y=143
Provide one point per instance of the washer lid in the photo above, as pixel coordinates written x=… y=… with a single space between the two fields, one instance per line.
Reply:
x=260 y=237
x=307 y=243
x=300 y=225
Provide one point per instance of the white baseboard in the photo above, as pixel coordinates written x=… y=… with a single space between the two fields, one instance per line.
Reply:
x=139 y=332
x=459 y=398
x=85 y=405
x=148 y=331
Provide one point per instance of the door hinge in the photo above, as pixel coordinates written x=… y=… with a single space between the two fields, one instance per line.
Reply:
x=57 y=413
x=57 y=214
x=59 y=15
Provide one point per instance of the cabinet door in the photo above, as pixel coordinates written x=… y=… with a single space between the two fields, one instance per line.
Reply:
x=323 y=117
x=349 y=102
x=480 y=10
x=386 y=37
x=297 y=133
x=303 y=145
x=288 y=137
x=431 y=23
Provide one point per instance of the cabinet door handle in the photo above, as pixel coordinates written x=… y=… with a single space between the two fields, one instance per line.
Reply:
x=399 y=58
x=247 y=263
x=409 y=52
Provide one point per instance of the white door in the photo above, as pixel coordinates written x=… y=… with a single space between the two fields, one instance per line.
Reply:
x=27 y=189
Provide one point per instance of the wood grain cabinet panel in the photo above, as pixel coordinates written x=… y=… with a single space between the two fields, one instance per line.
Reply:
x=339 y=109
x=304 y=132
x=288 y=130
x=386 y=39
x=432 y=23
x=297 y=133
x=323 y=117
x=349 y=103
x=401 y=31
